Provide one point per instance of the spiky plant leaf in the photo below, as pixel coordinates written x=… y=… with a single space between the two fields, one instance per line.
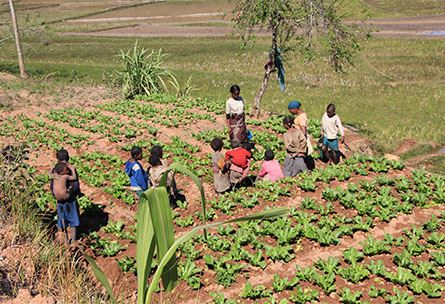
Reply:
x=162 y=219
x=100 y=276
x=145 y=246
x=172 y=251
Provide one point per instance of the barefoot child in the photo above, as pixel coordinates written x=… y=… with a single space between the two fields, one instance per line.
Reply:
x=331 y=125
x=67 y=212
x=221 y=180
x=63 y=156
x=270 y=168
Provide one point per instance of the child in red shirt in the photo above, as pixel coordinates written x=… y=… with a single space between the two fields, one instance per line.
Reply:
x=239 y=157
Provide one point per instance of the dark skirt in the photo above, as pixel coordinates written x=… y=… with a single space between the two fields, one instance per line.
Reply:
x=294 y=165
x=238 y=129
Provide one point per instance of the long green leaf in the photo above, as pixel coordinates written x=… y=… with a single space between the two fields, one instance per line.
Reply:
x=162 y=219
x=172 y=251
x=145 y=246
x=100 y=276
x=176 y=167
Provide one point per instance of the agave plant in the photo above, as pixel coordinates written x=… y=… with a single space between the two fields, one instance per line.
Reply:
x=143 y=73
x=155 y=231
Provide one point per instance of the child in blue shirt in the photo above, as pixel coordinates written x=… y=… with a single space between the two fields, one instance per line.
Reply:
x=133 y=168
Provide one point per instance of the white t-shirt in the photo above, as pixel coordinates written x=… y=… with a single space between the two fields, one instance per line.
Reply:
x=331 y=126
x=235 y=106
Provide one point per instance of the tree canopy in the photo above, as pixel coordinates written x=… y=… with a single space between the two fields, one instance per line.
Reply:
x=304 y=26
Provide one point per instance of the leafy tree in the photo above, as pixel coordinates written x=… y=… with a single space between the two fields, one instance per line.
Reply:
x=302 y=26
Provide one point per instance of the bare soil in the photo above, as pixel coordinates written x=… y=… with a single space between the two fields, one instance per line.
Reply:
x=306 y=252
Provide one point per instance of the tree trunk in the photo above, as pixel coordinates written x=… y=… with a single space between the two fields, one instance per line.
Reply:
x=23 y=73
x=270 y=67
x=256 y=102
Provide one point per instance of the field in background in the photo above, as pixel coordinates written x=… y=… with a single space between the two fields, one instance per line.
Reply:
x=395 y=216
x=395 y=92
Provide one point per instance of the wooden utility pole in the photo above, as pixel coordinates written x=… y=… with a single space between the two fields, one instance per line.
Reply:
x=23 y=73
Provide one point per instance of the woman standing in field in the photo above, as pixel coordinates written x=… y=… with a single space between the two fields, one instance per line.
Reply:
x=294 y=108
x=235 y=117
x=301 y=122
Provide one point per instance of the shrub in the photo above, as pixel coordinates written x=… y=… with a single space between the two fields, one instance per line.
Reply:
x=143 y=73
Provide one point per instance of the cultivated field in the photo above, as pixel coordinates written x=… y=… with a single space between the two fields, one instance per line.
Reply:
x=367 y=230
x=368 y=225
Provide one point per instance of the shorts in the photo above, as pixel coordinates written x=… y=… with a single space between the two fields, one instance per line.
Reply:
x=68 y=212
x=330 y=143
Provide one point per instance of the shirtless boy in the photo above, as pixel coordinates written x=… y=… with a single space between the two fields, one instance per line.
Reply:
x=67 y=212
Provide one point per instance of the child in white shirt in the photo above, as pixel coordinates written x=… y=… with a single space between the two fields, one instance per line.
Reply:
x=331 y=125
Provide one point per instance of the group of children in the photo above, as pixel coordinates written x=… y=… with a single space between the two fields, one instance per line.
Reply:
x=140 y=179
x=233 y=167
x=65 y=188
x=230 y=169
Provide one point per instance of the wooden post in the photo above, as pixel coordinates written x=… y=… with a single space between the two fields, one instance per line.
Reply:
x=23 y=73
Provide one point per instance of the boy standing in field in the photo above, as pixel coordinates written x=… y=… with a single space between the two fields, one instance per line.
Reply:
x=330 y=126
x=135 y=171
x=157 y=170
x=66 y=206
x=63 y=156
x=221 y=180
x=67 y=211
x=300 y=120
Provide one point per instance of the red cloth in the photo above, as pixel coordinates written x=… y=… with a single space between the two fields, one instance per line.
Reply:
x=239 y=157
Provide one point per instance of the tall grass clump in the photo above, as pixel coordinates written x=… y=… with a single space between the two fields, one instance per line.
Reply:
x=143 y=72
x=42 y=266
x=155 y=233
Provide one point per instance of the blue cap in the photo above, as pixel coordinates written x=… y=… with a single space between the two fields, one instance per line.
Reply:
x=294 y=104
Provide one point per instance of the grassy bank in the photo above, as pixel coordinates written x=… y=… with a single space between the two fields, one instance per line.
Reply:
x=31 y=259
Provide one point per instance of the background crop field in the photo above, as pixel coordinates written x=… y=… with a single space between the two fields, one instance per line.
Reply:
x=380 y=222
x=395 y=91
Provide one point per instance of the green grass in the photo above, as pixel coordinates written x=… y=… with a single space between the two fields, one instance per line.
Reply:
x=417 y=151
x=394 y=92
x=404 y=8
x=435 y=164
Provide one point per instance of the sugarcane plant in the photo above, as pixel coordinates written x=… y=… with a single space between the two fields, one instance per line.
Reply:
x=155 y=231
